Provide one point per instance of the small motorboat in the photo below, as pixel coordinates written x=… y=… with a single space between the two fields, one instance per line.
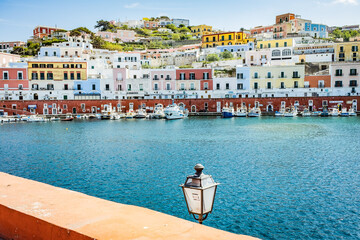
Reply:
x=173 y=111
x=290 y=112
x=227 y=112
x=344 y=113
x=130 y=114
x=254 y=112
x=315 y=114
x=280 y=113
x=158 y=112
x=334 y=112
x=352 y=112
x=68 y=118
x=140 y=113
x=53 y=119
x=306 y=113
x=241 y=112
x=324 y=113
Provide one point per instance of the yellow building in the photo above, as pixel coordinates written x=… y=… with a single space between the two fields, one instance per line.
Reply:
x=287 y=42
x=201 y=30
x=225 y=38
x=42 y=70
x=269 y=78
x=347 y=51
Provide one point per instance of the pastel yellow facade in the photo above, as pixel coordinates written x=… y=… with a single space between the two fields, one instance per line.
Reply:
x=57 y=70
x=287 y=42
x=225 y=38
x=200 y=30
x=188 y=85
x=277 y=77
x=347 y=51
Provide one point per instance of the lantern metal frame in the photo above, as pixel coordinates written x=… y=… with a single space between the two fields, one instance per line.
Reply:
x=199 y=175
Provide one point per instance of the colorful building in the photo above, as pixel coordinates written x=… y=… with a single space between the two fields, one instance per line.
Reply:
x=317 y=81
x=62 y=70
x=194 y=79
x=347 y=51
x=345 y=78
x=7 y=58
x=9 y=46
x=119 y=35
x=151 y=24
x=284 y=18
x=201 y=30
x=225 y=38
x=14 y=83
x=43 y=31
x=275 y=43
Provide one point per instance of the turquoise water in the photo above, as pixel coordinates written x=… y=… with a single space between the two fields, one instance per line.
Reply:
x=281 y=178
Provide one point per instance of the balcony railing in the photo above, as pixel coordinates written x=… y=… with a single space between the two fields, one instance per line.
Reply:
x=353 y=85
x=156 y=79
x=269 y=76
x=167 y=78
x=338 y=74
x=353 y=74
x=119 y=79
x=296 y=76
x=338 y=85
x=321 y=86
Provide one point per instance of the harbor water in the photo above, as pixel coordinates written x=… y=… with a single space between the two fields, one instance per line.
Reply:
x=281 y=178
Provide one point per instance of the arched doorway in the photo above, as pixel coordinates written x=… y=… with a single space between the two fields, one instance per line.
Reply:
x=193 y=108
x=36 y=96
x=74 y=110
x=270 y=108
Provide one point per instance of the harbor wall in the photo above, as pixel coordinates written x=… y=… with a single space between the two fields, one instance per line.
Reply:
x=34 y=210
x=193 y=105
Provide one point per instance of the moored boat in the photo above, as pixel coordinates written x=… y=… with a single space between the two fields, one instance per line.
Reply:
x=254 y=112
x=130 y=114
x=140 y=113
x=306 y=113
x=352 y=112
x=290 y=112
x=227 y=112
x=241 y=112
x=334 y=112
x=173 y=111
x=158 y=112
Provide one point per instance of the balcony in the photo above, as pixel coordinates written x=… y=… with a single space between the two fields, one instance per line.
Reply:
x=284 y=76
x=353 y=85
x=338 y=74
x=338 y=85
x=167 y=78
x=353 y=74
x=156 y=79
x=296 y=76
x=321 y=85
x=119 y=79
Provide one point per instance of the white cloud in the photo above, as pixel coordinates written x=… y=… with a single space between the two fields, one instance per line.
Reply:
x=132 y=5
x=347 y=2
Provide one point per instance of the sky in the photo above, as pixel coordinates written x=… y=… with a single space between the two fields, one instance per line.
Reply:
x=19 y=17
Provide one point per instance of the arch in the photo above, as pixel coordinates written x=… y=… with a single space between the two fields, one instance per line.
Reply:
x=276 y=53
x=181 y=105
x=270 y=108
x=193 y=108
x=286 y=52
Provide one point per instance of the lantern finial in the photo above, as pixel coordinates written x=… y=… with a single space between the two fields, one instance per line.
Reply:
x=199 y=168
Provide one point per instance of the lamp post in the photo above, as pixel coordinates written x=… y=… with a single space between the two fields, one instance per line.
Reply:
x=199 y=192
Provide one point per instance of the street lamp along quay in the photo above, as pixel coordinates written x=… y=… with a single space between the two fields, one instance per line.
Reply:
x=199 y=192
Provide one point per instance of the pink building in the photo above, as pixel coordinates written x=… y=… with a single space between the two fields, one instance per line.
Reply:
x=10 y=45
x=151 y=24
x=13 y=83
x=123 y=35
x=257 y=57
x=261 y=29
x=6 y=58
x=162 y=79
x=119 y=76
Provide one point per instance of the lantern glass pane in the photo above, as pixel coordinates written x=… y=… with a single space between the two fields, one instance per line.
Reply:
x=206 y=182
x=193 y=199
x=209 y=195
x=192 y=182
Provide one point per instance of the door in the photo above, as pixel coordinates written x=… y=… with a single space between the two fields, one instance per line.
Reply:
x=193 y=108
x=270 y=108
x=74 y=110
x=93 y=109
x=218 y=106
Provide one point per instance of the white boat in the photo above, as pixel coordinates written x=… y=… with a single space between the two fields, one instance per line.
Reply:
x=159 y=111
x=280 y=113
x=334 y=112
x=54 y=119
x=140 y=113
x=241 y=112
x=130 y=114
x=352 y=112
x=306 y=113
x=173 y=111
x=290 y=112
x=228 y=112
x=254 y=112
x=35 y=118
x=344 y=113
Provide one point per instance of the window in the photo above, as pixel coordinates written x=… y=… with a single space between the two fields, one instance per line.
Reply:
x=119 y=88
x=65 y=76
x=107 y=87
x=256 y=75
x=256 y=86
x=182 y=76
x=72 y=76
x=50 y=87
x=129 y=87
x=354 y=48
x=261 y=46
x=338 y=83
x=168 y=86
x=93 y=87
x=276 y=44
x=34 y=76
x=156 y=77
x=205 y=75
x=206 y=86
x=66 y=87
x=269 y=75
x=156 y=87
x=192 y=76
x=20 y=87
x=79 y=87
x=353 y=72
x=78 y=76
x=285 y=44
x=282 y=75
x=35 y=65
x=296 y=84
x=218 y=86
x=269 y=45
x=353 y=83
x=50 y=66
x=296 y=74
x=338 y=72
x=286 y=52
x=42 y=76
x=182 y=86
x=282 y=85
x=6 y=75
x=240 y=76
x=54 y=53
x=240 y=86
x=276 y=53
x=341 y=49
x=50 y=76
x=268 y=85
x=65 y=65
x=192 y=86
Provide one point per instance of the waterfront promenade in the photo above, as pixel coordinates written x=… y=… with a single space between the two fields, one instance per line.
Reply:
x=33 y=210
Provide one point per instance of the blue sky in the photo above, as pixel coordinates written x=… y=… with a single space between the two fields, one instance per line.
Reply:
x=18 y=18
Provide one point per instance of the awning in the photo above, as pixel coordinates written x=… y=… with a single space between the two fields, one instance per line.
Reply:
x=32 y=106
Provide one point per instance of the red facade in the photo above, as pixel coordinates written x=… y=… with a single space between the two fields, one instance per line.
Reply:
x=316 y=81
x=199 y=73
x=13 y=79
x=41 y=31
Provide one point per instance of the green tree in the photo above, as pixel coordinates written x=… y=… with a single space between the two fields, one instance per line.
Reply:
x=97 y=42
x=173 y=28
x=212 y=57
x=184 y=30
x=104 y=25
x=176 y=37
x=226 y=55
x=125 y=27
